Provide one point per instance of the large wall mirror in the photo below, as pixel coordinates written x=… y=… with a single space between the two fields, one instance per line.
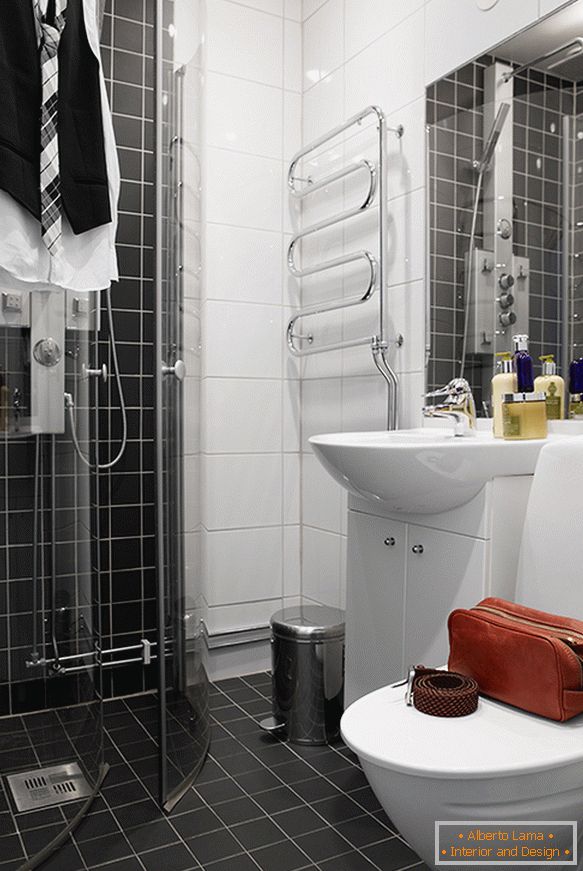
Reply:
x=505 y=199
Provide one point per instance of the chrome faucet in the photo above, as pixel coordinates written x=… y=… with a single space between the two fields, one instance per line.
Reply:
x=457 y=405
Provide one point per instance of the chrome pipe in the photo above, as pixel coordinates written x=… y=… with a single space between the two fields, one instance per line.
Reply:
x=333 y=263
x=343 y=216
x=332 y=134
x=379 y=345
x=339 y=175
x=55 y=643
x=380 y=360
x=319 y=349
x=325 y=181
x=576 y=44
x=36 y=545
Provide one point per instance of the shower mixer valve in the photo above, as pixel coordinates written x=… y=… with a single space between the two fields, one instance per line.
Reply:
x=506 y=281
x=507 y=319
x=47 y=352
x=506 y=300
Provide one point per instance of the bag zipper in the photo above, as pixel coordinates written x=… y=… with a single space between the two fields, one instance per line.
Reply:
x=572 y=638
x=568 y=640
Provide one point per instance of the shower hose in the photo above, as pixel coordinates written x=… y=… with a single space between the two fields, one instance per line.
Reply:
x=70 y=403
x=468 y=272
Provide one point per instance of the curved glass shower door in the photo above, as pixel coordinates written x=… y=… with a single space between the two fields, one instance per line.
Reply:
x=184 y=733
x=51 y=736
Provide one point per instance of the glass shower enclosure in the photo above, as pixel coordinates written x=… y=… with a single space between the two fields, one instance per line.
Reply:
x=53 y=654
x=184 y=731
x=51 y=726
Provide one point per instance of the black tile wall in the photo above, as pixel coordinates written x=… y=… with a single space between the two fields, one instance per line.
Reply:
x=24 y=603
x=126 y=516
x=577 y=234
x=454 y=115
x=127 y=524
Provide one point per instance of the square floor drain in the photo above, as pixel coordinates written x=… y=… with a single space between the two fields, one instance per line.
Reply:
x=43 y=787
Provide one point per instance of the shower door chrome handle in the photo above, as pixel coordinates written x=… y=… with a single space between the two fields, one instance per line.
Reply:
x=178 y=370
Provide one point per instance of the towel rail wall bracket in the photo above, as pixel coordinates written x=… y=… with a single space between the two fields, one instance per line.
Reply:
x=301 y=342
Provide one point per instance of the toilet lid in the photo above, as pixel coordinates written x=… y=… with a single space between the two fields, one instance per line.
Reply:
x=494 y=741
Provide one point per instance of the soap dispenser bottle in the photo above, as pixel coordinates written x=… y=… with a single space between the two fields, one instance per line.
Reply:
x=553 y=386
x=576 y=389
x=523 y=365
x=504 y=381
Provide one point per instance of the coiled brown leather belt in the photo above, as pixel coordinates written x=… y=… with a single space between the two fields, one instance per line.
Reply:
x=441 y=693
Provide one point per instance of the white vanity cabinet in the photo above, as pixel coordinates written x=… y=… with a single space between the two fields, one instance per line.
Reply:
x=375 y=602
x=444 y=571
x=406 y=575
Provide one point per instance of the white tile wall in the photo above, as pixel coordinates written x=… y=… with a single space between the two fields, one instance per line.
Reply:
x=391 y=51
x=244 y=116
x=250 y=388
x=241 y=491
x=321 y=565
x=293 y=10
x=547 y=6
x=243 y=189
x=243 y=565
x=244 y=42
x=322 y=42
x=366 y=22
x=453 y=37
x=242 y=416
x=292 y=54
x=243 y=265
x=292 y=577
x=242 y=339
x=322 y=498
x=281 y=72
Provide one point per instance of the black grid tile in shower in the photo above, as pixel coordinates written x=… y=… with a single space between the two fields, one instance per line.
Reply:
x=127 y=517
x=127 y=493
x=234 y=817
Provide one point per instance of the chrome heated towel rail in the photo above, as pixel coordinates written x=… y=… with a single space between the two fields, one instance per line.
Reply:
x=302 y=345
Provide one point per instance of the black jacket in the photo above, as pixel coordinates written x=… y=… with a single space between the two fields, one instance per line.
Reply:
x=83 y=170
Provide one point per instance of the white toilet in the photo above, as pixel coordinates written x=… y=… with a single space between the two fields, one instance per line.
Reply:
x=499 y=763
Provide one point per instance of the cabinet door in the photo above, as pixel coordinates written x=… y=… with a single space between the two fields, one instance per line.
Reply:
x=374 y=603
x=444 y=571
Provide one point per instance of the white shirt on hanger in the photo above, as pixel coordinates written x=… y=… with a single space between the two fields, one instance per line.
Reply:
x=87 y=261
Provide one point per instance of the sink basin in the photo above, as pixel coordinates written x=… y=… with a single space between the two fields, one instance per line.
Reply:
x=422 y=471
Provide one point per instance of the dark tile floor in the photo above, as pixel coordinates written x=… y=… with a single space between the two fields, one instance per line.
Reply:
x=257 y=804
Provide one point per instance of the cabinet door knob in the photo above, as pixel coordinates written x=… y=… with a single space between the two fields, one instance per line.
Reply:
x=417 y=548
x=390 y=541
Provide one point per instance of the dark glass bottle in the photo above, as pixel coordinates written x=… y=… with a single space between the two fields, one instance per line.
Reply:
x=523 y=364
x=576 y=376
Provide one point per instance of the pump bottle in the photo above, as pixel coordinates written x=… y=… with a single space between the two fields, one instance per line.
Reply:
x=503 y=382
x=553 y=386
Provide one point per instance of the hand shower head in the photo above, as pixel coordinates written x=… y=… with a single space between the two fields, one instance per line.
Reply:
x=483 y=164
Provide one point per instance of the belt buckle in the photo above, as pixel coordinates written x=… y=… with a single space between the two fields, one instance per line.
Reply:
x=410 y=682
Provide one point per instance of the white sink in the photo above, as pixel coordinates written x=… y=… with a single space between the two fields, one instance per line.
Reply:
x=423 y=471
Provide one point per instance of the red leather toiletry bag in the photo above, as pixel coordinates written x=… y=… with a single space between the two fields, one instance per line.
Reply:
x=526 y=658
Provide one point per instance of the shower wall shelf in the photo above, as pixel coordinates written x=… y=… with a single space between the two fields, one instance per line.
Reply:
x=303 y=344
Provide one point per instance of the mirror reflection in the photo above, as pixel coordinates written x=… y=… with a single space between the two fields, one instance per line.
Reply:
x=505 y=177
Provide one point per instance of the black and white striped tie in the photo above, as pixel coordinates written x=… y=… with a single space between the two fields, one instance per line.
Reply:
x=49 y=28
